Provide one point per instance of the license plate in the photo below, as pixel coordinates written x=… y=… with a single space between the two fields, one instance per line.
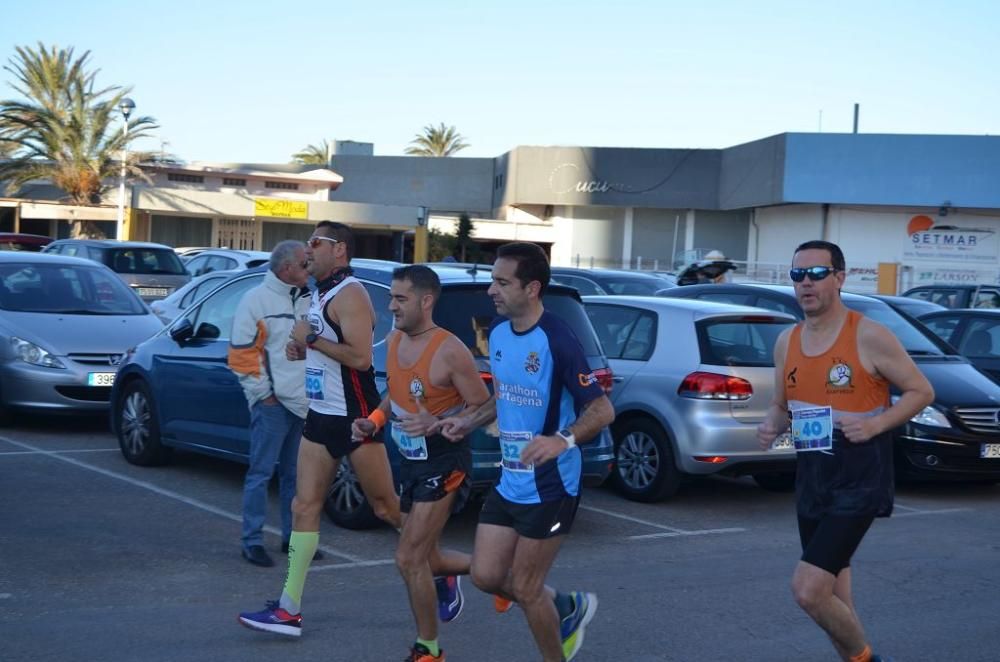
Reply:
x=990 y=450
x=782 y=443
x=152 y=291
x=101 y=379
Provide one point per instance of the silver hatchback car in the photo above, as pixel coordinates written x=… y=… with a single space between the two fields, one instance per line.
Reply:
x=65 y=324
x=692 y=381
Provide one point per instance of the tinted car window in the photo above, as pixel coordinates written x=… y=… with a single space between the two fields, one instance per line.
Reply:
x=981 y=340
x=214 y=318
x=986 y=299
x=380 y=302
x=738 y=343
x=582 y=285
x=943 y=327
x=196 y=265
x=52 y=288
x=202 y=288
x=468 y=313
x=912 y=340
x=625 y=332
x=219 y=263
x=635 y=286
x=778 y=305
x=144 y=261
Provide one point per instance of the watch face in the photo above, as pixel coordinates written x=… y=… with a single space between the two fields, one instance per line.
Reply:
x=565 y=432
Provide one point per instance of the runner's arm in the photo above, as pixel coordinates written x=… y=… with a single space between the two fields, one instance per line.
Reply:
x=464 y=373
x=892 y=362
x=353 y=310
x=776 y=419
x=596 y=415
x=457 y=427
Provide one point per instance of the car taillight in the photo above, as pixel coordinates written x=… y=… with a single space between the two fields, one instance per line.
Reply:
x=487 y=377
x=605 y=378
x=713 y=386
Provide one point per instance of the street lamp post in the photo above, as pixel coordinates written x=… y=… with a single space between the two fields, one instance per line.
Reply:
x=125 y=106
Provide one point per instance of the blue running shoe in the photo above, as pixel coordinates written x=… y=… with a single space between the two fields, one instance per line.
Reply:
x=273 y=619
x=450 y=598
x=572 y=627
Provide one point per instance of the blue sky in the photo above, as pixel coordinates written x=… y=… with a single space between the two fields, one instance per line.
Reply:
x=256 y=81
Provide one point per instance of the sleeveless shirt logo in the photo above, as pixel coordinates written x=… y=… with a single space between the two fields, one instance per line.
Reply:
x=839 y=375
x=533 y=364
x=416 y=388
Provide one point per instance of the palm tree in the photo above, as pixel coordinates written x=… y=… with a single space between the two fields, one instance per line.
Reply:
x=313 y=154
x=437 y=141
x=64 y=129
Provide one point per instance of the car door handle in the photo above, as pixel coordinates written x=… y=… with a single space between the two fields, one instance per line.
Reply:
x=617 y=378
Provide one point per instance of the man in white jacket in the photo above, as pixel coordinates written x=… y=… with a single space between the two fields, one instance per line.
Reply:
x=274 y=388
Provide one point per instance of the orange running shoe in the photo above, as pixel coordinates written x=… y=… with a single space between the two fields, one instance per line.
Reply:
x=419 y=653
x=501 y=604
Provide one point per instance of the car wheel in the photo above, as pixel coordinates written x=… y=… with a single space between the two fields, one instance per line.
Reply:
x=783 y=482
x=346 y=504
x=644 y=462
x=137 y=427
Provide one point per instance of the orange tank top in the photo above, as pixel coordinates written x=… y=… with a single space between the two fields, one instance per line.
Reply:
x=836 y=378
x=406 y=384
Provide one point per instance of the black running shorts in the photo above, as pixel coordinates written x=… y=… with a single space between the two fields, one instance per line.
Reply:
x=434 y=479
x=334 y=432
x=531 y=520
x=830 y=542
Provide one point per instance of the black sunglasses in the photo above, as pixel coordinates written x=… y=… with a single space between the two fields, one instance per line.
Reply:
x=798 y=274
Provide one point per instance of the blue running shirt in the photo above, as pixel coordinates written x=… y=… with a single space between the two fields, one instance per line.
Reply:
x=542 y=382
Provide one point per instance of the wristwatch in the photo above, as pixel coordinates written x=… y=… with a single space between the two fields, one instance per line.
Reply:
x=568 y=437
x=311 y=338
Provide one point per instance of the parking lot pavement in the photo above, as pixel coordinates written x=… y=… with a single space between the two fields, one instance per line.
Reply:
x=102 y=560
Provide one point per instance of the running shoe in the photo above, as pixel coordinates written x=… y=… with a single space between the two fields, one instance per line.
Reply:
x=419 y=653
x=450 y=598
x=273 y=619
x=502 y=605
x=572 y=627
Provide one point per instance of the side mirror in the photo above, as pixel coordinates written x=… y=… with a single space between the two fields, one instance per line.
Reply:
x=208 y=331
x=182 y=330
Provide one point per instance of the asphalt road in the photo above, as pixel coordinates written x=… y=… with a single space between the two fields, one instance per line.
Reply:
x=101 y=560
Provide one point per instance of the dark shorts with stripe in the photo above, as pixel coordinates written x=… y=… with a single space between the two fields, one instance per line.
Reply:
x=531 y=520
x=334 y=432
x=830 y=542
x=435 y=478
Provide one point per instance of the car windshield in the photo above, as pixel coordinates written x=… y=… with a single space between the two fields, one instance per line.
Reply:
x=912 y=339
x=145 y=261
x=67 y=289
x=468 y=313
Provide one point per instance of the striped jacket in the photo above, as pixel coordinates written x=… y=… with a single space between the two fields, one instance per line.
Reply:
x=261 y=329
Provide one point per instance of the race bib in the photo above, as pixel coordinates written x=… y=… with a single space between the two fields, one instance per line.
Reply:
x=812 y=428
x=314 y=383
x=512 y=444
x=412 y=448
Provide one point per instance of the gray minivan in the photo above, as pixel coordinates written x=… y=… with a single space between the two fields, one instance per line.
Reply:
x=153 y=271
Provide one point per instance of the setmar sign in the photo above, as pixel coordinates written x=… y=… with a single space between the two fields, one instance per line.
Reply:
x=927 y=241
x=280 y=208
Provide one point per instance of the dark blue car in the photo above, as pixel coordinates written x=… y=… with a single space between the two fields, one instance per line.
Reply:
x=176 y=391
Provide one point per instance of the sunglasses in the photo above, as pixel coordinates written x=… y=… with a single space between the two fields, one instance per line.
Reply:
x=315 y=241
x=798 y=274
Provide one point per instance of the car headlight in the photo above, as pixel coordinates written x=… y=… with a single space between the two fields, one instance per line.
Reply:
x=31 y=353
x=929 y=415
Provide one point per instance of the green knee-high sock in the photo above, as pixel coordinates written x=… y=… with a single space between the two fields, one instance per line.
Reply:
x=301 y=547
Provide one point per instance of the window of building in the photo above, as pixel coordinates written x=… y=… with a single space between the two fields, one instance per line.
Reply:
x=286 y=186
x=180 y=177
x=232 y=181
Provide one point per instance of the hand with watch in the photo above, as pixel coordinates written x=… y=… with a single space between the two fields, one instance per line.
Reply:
x=547 y=447
x=311 y=338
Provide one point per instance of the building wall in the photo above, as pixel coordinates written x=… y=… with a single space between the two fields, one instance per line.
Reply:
x=180 y=231
x=781 y=229
x=726 y=231
x=598 y=234
x=658 y=235
x=452 y=184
